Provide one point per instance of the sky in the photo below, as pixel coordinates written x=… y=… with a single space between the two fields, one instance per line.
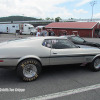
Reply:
x=64 y=9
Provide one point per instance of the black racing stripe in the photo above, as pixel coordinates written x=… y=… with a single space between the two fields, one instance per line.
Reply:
x=82 y=55
x=9 y=58
x=55 y=56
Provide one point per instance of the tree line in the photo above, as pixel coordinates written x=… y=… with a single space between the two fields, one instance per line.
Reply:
x=16 y=18
x=24 y=18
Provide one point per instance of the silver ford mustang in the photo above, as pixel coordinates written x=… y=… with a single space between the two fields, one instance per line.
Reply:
x=28 y=55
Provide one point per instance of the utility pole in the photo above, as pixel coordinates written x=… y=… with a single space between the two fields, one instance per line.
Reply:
x=23 y=18
x=92 y=3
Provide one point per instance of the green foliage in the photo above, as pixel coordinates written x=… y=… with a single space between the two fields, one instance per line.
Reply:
x=52 y=19
x=57 y=19
x=72 y=18
x=24 y=18
x=47 y=18
x=16 y=18
x=41 y=19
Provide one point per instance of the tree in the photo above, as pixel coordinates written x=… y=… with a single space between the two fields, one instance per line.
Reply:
x=72 y=18
x=57 y=19
x=47 y=18
x=51 y=19
x=41 y=19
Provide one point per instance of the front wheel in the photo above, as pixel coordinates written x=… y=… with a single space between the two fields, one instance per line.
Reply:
x=29 y=69
x=31 y=33
x=95 y=65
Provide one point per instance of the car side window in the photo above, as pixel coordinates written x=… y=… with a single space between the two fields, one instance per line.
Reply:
x=47 y=43
x=62 y=44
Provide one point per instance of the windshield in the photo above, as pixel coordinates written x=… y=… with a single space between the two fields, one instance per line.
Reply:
x=74 y=38
x=31 y=27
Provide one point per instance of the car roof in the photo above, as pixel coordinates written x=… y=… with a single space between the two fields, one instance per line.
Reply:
x=65 y=36
x=45 y=37
x=34 y=38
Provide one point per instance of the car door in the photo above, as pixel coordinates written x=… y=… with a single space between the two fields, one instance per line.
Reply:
x=65 y=52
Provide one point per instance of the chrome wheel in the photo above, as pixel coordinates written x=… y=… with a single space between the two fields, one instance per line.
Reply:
x=97 y=63
x=29 y=70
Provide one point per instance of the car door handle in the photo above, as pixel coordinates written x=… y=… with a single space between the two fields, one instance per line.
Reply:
x=54 y=52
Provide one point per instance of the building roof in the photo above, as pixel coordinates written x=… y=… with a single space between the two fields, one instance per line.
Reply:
x=72 y=25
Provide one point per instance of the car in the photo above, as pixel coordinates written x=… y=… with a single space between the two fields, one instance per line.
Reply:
x=80 y=41
x=29 y=55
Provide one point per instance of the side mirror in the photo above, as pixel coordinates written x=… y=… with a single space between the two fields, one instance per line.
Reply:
x=84 y=41
x=78 y=46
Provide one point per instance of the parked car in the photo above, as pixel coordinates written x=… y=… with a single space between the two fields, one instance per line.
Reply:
x=80 y=41
x=29 y=55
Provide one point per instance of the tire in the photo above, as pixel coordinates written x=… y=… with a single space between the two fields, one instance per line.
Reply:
x=29 y=69
x=95 y=65
x=31 y=33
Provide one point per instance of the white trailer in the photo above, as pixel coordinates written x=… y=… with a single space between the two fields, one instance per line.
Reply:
x=15 y=28
x=9 y=28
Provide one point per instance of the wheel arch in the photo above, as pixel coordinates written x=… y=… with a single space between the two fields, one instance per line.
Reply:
x=28 y=57
x=95 y=66
x=98 y=55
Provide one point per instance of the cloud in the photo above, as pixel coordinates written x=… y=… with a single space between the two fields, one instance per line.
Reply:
x=63 y=13
x=80 y=11
x=96 y=15
x=82 y=2
x=20 y=7
x=39 y=8
x=32 y=8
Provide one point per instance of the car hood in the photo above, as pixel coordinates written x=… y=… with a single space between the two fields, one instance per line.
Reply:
x=92 y=43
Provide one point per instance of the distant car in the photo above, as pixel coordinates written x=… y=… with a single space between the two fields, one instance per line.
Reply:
x=80 y=41
x=29 y=55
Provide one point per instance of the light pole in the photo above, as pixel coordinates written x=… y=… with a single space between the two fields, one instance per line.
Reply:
x=92 y=4
x=23 y=18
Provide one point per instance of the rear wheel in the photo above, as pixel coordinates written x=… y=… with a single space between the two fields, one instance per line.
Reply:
x=95 y=65
x=29 y=69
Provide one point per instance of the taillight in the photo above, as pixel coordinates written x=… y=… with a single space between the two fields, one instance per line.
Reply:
x=1 y=60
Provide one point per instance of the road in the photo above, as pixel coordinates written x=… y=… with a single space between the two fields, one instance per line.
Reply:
x=73 y=82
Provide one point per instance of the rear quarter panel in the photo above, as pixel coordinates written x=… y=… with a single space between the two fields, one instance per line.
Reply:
x=13 y=51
